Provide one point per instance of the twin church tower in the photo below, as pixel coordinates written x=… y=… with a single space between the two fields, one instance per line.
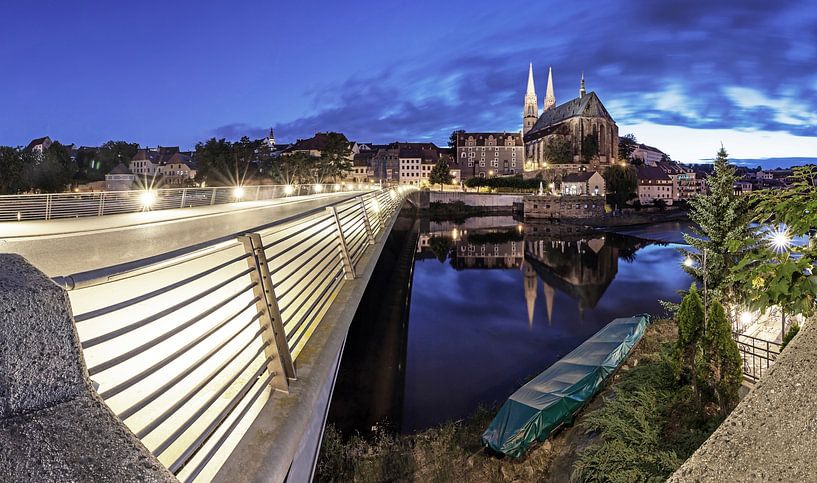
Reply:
x=531 y=111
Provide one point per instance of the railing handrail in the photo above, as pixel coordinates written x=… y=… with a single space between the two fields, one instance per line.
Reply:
x=153 y=263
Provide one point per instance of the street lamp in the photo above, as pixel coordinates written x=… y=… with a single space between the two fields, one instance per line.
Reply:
x=238 y=193
x=780 y=242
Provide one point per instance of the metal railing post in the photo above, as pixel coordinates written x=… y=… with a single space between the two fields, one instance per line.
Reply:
x=101 y=205
x=258 y=192
x=48 y=207
x=275 y=337
x=213 y=197
x=366 y=223
x=184 y=194
x=348 y=268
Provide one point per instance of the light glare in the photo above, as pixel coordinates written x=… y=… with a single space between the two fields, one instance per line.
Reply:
x=147 y=198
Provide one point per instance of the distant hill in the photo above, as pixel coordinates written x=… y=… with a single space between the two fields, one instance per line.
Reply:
x=768 y=163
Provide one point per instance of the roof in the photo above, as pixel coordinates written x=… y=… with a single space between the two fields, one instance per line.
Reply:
x=414 y=152
x=181 y=158
x=588 y=105
x=652 y=172
x=645 y=147
x=482 y=137
x=146 y=155
x=120 y=169
x=580 y=177
x=37 y=142
x=363 y=158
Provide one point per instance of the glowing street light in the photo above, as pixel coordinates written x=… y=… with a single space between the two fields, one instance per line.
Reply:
x=689 y=262
x=147 y=198
x=780 y=239
x=337 y=187
x=745 y=318
x=318 y=188
x=288 y=189
x=238 y=192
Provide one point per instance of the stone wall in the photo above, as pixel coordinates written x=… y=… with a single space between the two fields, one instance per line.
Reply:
x=563 y=207
x=474 y=199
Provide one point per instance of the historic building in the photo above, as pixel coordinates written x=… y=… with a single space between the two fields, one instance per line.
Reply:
x=583 y=122
x=489 y=154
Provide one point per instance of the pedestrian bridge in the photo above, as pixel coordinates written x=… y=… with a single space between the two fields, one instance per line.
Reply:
x=220 y=356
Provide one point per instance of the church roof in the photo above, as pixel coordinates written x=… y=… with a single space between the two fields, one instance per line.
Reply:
x=120 y=169
x=579 y=177
x=588 y=105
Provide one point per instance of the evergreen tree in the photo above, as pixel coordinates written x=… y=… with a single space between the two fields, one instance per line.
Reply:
x=621 y=184
x=723 y=370
x=441 y=173
x=690 y=332
x=720 y=221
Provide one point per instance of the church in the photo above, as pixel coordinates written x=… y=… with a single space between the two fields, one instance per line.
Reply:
x=578 y=135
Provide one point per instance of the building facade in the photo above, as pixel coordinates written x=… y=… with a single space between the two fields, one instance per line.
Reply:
x=119 y=179
x=654 y=184
x=489 y=154
x=589 y=183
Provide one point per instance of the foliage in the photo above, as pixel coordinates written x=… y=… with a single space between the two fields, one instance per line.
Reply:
x=723 y=368
x=648 y=424
x=441 y=173
x=516 y=182
x=110 y=154
x=626 y=145
x=440 y=246
x=590 y=147
x=52 y=172
x=690 y=333
x=13 y=164
x=785 y=278
x=217 y=163
x=793 y=330
x=558 y=150
x=621 y=184
x=495 y=237
x=659 y=203
x=334 y=163
x=452 y=139
x=720 y=223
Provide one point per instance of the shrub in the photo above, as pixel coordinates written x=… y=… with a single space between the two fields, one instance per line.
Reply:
x=793 y=330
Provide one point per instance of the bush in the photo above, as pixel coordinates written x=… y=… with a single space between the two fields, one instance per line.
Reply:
x=793 y=330
x=514 y=182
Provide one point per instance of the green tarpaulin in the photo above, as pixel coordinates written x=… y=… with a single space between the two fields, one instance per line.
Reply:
x=553 y=397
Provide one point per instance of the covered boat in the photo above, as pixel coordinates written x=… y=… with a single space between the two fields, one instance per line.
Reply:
x=553 y=397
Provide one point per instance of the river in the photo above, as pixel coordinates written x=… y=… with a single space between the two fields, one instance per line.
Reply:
x=460 y=314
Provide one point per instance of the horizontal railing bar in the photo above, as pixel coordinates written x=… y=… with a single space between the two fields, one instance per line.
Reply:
x=324 y=240
x=104 y=366
x=321 y=269
x=338 y=274
x=327 y=251
x=163 y=313
x=145 y=401
x=217 y=421
x=228 y=432
x=162 y=447
x=127 y=303
x=187 y=397
x=299 y=229
x=325 y=297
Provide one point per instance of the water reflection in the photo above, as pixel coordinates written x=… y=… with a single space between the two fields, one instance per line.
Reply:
x=479 y=324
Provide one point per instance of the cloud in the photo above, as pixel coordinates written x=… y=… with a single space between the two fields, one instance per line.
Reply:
x=696 y=64
x=236 y=130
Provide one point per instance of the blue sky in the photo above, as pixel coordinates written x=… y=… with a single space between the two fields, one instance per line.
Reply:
x=683 y=76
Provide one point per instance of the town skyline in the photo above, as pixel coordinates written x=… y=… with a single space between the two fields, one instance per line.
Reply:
x=662 y=85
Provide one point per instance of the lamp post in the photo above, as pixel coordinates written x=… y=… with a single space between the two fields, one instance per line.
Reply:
x=780 y=242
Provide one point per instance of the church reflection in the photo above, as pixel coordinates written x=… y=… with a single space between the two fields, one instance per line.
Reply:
x=578 y=262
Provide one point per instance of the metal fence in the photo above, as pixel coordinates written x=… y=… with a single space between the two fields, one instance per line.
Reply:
x=758 y=355
x=77 y=205
x=186 y=349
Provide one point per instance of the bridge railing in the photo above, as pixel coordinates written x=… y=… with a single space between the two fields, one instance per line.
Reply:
x=76 y=205
x=187 y=348
x=758 y=355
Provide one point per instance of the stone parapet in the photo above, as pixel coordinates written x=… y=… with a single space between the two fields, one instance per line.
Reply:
x=772 y=434
x=53 y=425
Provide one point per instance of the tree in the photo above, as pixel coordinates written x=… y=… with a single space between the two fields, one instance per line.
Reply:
x=13 y=166
x=723 y=371
x=292 y=168
x=441 y=173
x=659 y=203
x=590 y=147
x=626 y=145
x=772 y=275
x=720 y=224
x=440 y=246
x=217 y=163
x=621 y=184
x=452 y=139
x=558 y=150
x=53 y=171
x=110 y=154
x=690 y=321
x=335 y=162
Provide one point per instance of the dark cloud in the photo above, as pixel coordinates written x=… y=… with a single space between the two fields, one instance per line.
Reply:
x=670 y=63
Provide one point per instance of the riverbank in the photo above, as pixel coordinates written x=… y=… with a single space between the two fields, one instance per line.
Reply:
x=640 y=427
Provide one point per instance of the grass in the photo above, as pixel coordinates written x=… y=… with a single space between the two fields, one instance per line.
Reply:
x=640 y=428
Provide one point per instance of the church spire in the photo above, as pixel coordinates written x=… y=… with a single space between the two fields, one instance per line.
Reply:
x=531 y=110
x=582 y=92
x=550 y=98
